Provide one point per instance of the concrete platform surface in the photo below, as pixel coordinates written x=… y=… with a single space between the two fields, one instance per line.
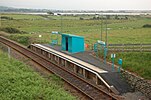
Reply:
x=112 y=77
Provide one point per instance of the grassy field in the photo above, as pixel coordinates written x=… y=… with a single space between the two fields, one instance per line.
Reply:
x=137 y=62
x=120 y=31
x=19 y=82
x=22 y=16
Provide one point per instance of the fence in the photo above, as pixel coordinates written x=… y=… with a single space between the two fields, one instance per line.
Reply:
x=130 y=47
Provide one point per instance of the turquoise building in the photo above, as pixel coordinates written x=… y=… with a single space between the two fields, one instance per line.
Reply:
x=72 y=43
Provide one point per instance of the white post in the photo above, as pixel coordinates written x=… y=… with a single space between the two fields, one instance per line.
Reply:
x=8 y=52
x=40 y=38
x=141 y=47
x=123 y=48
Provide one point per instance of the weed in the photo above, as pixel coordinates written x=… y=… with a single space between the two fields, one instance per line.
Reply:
x=20 y=82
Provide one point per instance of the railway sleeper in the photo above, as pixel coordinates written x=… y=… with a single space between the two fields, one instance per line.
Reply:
x=79 y=71
x=31 y=54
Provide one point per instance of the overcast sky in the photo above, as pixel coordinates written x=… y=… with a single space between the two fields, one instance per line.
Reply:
x=80 y=4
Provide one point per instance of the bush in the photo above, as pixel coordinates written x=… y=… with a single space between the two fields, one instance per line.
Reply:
x=11 y=30
x=50 y=13
x=25 y=40
x=20 y=82
x=147 y=26
x=5 y=17
x=81 y=18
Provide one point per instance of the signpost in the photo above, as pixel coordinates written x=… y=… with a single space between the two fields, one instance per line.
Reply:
x=105 y=54
x=102 y=43
x=54 y=32
x=120 y=61
x=103 y=46
x=112 y=57
x=55 y=41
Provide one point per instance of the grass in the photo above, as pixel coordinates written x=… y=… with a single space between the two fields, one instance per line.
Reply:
x=121 y=31
x=137 y=62
x=19 y=82
x=22 y=16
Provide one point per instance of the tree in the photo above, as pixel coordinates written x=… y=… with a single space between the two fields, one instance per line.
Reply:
x=147 y=26
x=94 y=18
x=108 y=16
x=50 y=13
x=126 y=17
x=116 y=17
x=81 y=18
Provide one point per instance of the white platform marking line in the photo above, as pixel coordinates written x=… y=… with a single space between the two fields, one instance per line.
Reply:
x=74 y=59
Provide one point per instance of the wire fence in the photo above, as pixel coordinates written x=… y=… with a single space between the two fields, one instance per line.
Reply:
x=130 y=47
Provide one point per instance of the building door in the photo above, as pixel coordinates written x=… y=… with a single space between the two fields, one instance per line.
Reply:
x=66 y=43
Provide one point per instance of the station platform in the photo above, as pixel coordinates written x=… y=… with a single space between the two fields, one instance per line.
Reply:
x=111 y=77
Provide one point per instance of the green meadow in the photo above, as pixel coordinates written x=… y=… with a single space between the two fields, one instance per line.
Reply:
x=120 y=30
x=136 y=62
x=19 y=82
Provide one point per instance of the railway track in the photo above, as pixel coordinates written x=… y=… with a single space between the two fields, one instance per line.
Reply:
x=90 y=90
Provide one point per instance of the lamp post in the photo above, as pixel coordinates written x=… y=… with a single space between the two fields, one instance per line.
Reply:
x=101 y=26
x=106 y=40
x=61 y=23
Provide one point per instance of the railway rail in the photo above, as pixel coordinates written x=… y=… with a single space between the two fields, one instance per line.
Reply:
x=90 y=90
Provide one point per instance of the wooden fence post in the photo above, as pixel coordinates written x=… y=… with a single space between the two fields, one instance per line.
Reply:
x=123 y=48
x=141 y=47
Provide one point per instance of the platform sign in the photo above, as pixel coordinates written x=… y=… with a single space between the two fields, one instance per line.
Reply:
x=54 y=32
x=102 y=48
x=120 y=61
x=101 y=42
x=113 y=55
x=55 y=41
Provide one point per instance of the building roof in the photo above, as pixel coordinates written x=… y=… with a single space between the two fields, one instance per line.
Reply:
x=71 y=35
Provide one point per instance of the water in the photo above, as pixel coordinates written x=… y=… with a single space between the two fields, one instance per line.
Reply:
x=107 y=13
x=90 y=13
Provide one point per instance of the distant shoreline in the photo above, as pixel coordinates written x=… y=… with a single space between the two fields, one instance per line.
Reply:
x=123 y=13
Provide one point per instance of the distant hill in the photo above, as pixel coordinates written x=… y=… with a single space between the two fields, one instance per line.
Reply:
x=2 y=8
x=24 y=10
x=11 y=9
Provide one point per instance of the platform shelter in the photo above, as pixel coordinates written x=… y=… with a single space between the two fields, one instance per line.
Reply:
x=72 y=43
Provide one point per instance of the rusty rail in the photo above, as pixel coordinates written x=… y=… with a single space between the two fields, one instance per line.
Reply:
x=87 y=88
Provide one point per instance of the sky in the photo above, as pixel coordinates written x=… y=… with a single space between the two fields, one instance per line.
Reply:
x=79 y=4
